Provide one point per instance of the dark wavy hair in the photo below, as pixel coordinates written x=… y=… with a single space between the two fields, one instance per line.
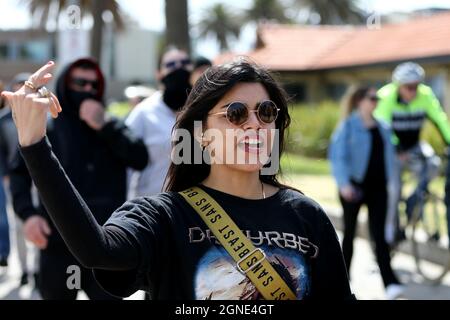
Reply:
x=207 y=92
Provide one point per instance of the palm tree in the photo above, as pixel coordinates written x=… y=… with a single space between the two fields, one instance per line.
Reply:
x=177 y=24
x=333 y=11
x=218 y=21
x=94 y=7
x=267 y=10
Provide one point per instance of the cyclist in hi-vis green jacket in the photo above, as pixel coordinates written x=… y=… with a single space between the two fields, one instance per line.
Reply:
x=405 y=104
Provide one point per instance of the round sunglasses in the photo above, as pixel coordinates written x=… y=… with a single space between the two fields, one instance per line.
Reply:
x=237 y=113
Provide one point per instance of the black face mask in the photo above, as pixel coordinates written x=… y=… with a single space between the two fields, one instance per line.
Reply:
x=76 y=98
x=177 y=88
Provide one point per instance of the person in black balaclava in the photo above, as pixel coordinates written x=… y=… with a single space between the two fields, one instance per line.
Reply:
x=153 y=119
x=95 y=152
x=175 y=72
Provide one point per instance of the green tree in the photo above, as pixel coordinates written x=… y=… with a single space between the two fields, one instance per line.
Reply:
x=94 y=7
x=334 y=11
x=221 y=23
x=267 y=10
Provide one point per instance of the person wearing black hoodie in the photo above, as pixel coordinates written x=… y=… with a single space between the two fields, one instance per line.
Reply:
x=8 y=149
x=95 y=152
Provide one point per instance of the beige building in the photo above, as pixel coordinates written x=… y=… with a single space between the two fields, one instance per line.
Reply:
x=319 y=62
x=23 y=51
x=127 y=56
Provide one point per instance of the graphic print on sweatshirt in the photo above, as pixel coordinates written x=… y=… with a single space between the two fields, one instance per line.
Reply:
x=217 y=278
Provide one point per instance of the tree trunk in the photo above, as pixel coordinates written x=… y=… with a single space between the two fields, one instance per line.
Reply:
x=177 y=25
x=97 y=29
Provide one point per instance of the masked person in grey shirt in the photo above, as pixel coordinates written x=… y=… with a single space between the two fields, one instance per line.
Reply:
x=153 y=119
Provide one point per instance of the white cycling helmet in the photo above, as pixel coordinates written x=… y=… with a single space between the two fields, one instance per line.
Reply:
x=408 y=72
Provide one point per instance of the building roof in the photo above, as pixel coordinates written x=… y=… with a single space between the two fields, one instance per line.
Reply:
x=303 y=48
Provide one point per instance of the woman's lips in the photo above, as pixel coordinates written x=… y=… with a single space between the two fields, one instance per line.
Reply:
x=252 y=145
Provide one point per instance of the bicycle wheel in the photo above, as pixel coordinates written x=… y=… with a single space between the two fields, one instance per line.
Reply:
x=430 y=238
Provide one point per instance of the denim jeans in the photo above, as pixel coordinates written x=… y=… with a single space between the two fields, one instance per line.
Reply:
x=424 y=164
x=4 y=226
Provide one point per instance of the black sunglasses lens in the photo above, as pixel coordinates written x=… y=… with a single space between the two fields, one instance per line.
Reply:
x=79 y=82
x=95 y=85
x=171 y=64
x=185 y=62
x=237 y=113
x=83 y=82
x=267 y=112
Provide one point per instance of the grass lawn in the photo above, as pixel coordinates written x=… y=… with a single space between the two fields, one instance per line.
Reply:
x=311 y=176
x=295 y=164
x=321 y=188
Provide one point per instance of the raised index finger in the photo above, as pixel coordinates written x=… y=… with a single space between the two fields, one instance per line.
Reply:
x=38 y=77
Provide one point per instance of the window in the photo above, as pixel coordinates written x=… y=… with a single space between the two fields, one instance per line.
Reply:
x=36 y=51
x=296 y=91
x=3 y=51
x=335 y=91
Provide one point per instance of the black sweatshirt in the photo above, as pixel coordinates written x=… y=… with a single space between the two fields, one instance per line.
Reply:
x=161 y=245
x=95 y=161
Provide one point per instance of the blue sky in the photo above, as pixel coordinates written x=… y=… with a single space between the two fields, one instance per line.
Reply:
x=150 y=15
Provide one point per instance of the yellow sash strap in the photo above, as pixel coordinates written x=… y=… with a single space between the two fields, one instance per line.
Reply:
x=250 y=261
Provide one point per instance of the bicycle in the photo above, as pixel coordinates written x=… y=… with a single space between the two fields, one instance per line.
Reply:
x=423 y=216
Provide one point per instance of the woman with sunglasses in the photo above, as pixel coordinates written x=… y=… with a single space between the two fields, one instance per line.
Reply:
x=362 y=160
x=159 y=243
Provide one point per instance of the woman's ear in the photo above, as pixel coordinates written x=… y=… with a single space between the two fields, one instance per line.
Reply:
x=199 y=136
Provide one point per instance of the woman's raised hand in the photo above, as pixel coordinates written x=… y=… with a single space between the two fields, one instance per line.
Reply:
x=30 y=104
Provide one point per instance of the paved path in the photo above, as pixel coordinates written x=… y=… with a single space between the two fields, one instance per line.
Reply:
x=366 y=281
